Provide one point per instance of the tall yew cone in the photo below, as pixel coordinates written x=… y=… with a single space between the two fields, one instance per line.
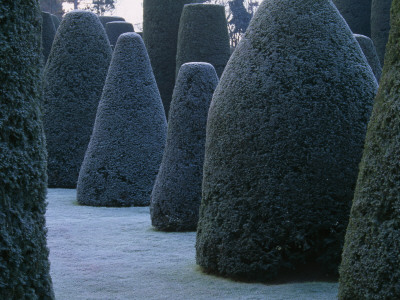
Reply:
x=285 y=132
x=24 y=264
x=357 y=14
x=370 y=266
x=368 y=48
x=128 y=139
x=73 y=82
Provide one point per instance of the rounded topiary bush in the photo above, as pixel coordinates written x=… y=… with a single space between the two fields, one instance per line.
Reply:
x=73 y=82
x=285 y=132
x=370 y=259
x=380 y=25
x=368 y=48
x=160 y=34
x=357 y=14
x=24 y=265
x=106 y=19
x=126 y=147
x=56 y=21
x=48 y=33
x=176 y=195
x=116 y=28
x=203 y=36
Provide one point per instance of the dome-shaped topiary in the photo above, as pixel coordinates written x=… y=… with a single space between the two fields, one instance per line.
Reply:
x=56 y=21
x=203 y=36
x=73 y=81
x=380 y=25
x=126 y=147
x=160 y=34
x=24 y=264
x=176 y=195
x=284 y=138
x=368 y=48
x=116 y=28
x=48 y=33
x=106 y=19
x=370 y=267
x=357 y=14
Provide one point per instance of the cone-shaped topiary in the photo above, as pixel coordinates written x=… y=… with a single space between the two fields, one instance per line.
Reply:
x=48 y=33
x=56 y=21
x=73 y=81
x=116 y=28
x=176 y=195
x=380 y=25
x=284 y=138
x=126 y=147
x=370 y=259
x=24 y=265
x=368 y=48
x=105 y=19
x=357 y=14
x=200 y=40
x=160 y=34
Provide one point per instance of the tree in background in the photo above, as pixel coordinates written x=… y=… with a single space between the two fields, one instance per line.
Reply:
x=97 y=6
x=238 y=14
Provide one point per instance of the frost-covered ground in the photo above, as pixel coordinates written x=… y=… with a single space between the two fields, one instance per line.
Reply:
x=113 y=253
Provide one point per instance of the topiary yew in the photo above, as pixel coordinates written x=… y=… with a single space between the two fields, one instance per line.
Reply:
x=73 y=82
x=200 y=40
x=370 y=259
x=176 y=195
x=285 y=132
x=56 y=21
x=48 y=33
x=160 y=34
x=105 y=19
x=116 y=28
x=380 y=25
x=128 y=139
x=24 y=264
x=368 y=48
x=357 y=14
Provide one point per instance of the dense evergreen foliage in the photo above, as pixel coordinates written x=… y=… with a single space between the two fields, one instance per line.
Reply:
x=380 y=25
x=357 y=14
x=126 y=147
x=200 y=40
x=176 y=195
x=56 y=21
x=24 y=265
x=116 y=28
x=105 y=19
x=284 y=139
x=73 y=82
x=368 y=48
x=160 y=34
x=48 y=33
x=370 y=263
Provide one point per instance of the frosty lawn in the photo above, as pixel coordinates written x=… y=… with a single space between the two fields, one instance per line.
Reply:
x=114 y=253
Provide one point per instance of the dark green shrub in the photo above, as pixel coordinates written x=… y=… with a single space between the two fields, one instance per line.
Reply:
x=380 y=25
x=160 y=34
x=285 y=132
x=368 y=48
x=203 y=36
x=176 y=195
x=116 y=28
x=357 y=14
x=56 y=21
x=24 y=265
x=73 y=82
x=128 y=140
x=105 y=19
x=370 y=259
x=48 y=33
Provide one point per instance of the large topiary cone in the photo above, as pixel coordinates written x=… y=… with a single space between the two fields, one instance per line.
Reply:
x=370 y=259
x=48 y=33
x=116 y=28
x=284 y=138
x=160 y=34
x=126 y=147
x=380 y=25
x=203 y=36
x=176 y=195
x=368 y=48
x=357 y=14
x=24 y=265
x=74 y=77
